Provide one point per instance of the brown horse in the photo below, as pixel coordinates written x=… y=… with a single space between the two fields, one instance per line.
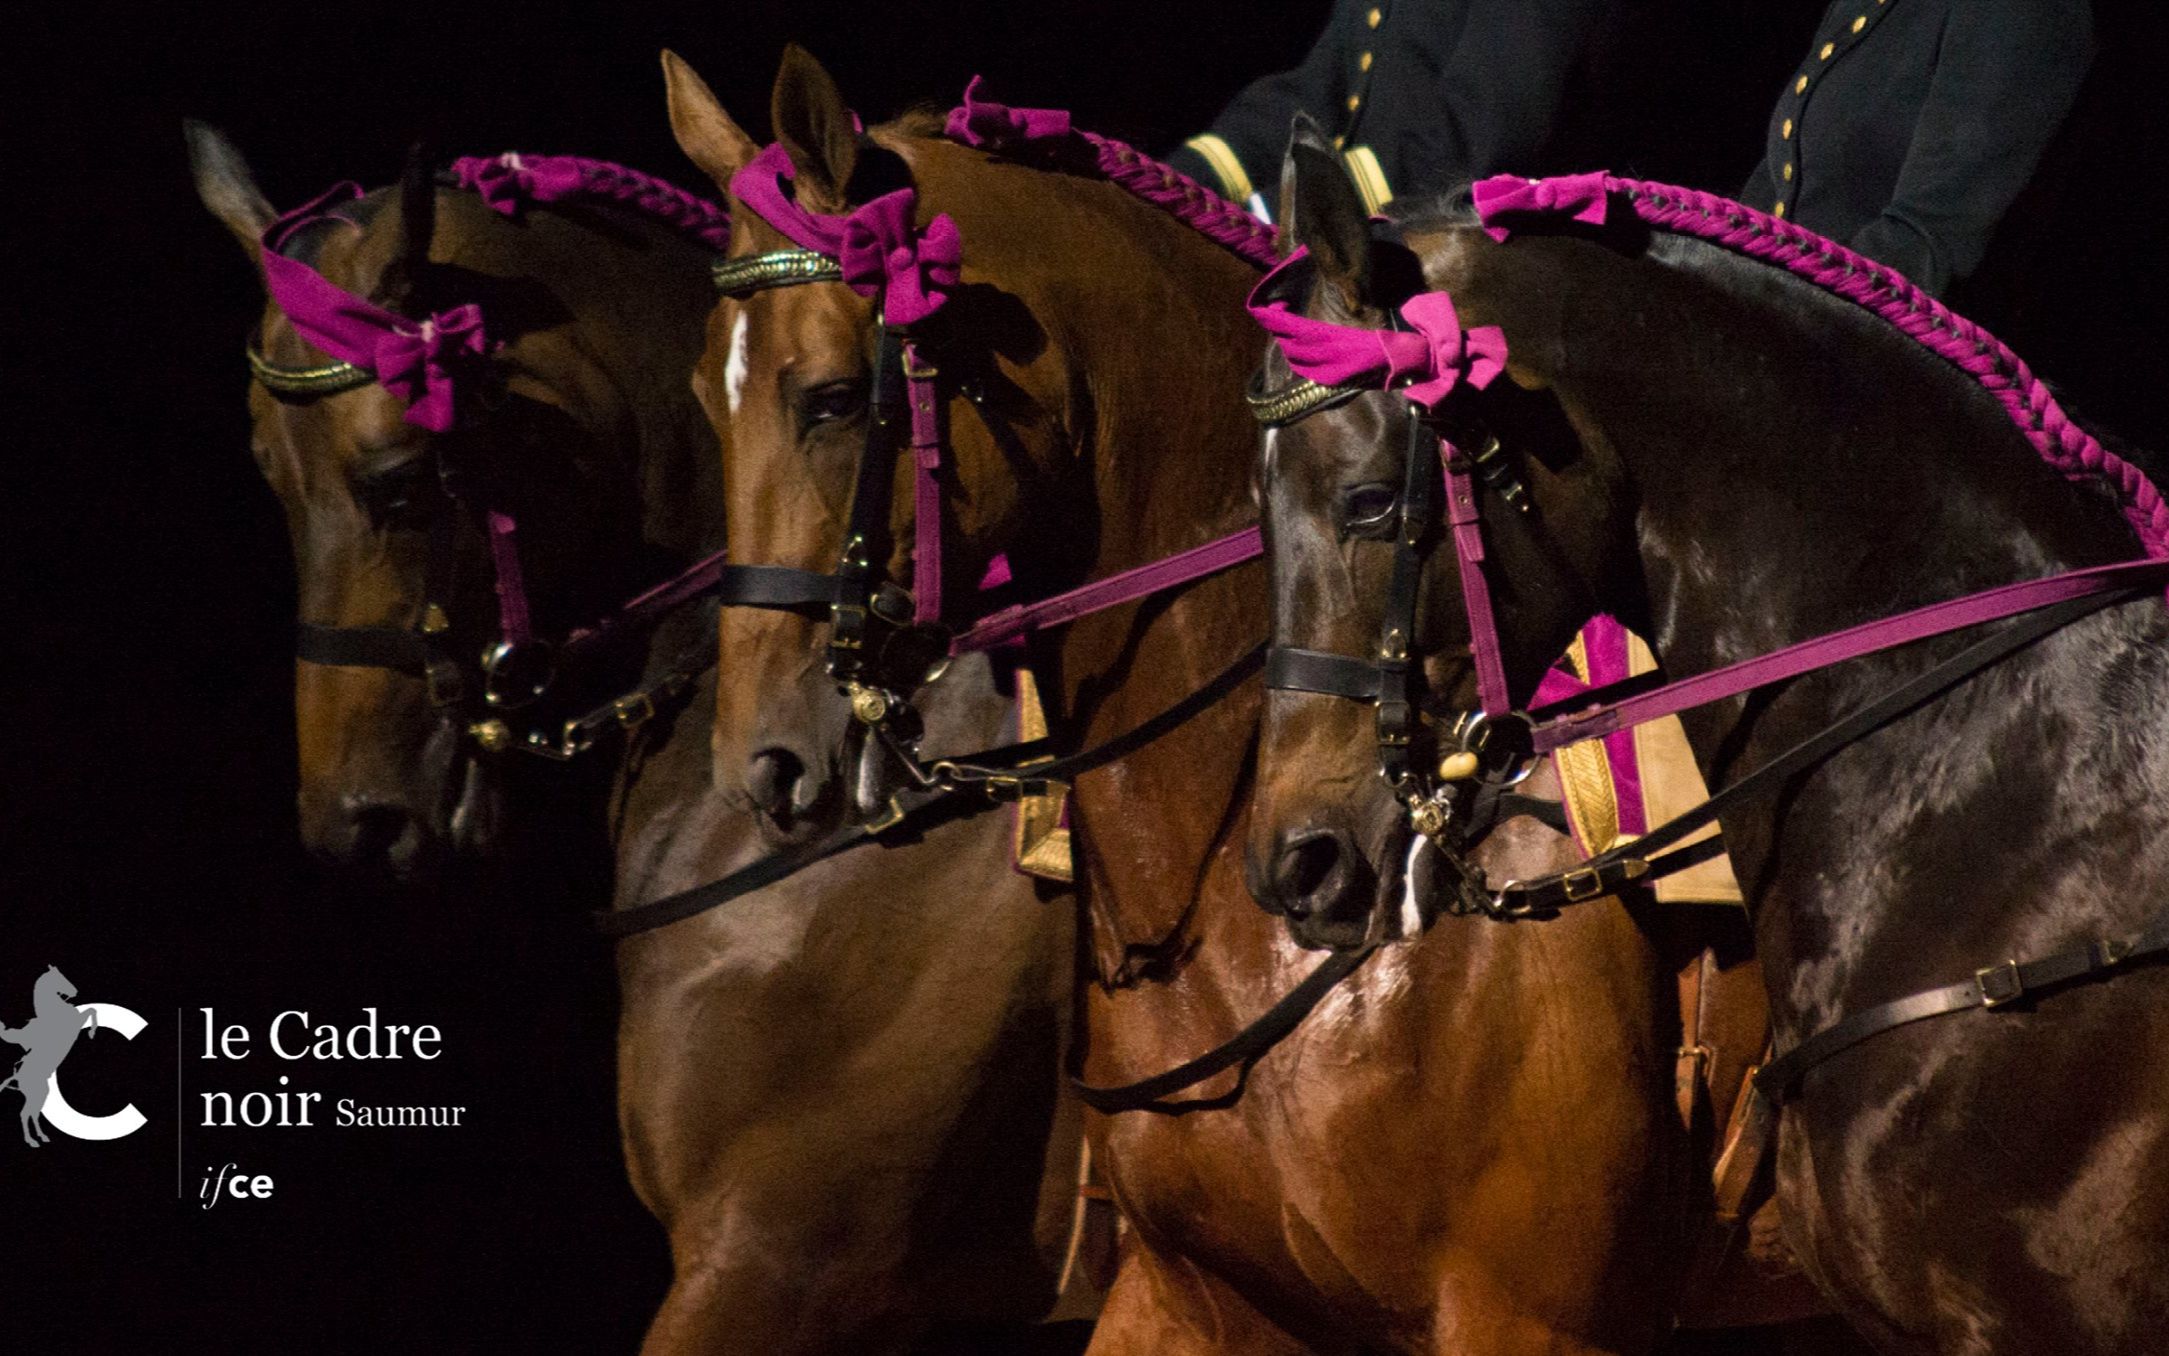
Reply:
x=1739 y=459
x=828 y=1185
x=1469 y=1146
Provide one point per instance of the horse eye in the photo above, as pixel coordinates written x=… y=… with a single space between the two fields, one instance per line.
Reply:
x=1368 y=510
x=832 y=402
x=397 y=496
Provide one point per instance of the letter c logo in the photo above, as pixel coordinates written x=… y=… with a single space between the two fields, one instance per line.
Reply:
x=69 y=1121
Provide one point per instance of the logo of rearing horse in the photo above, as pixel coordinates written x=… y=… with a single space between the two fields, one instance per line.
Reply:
x=55 y=1022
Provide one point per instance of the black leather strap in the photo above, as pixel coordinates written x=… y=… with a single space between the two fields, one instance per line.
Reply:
x=1016 y=761
x=1289 y=669
x=1993 y=987
x=917 y=811
x=778 y=587
x=1253 y=1041
x=363 y=647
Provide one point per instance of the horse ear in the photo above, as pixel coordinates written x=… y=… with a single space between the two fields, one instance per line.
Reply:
x=224 y=183
x=1321 y=208
x=417 y=224
x=704 y=131
x=816 y=129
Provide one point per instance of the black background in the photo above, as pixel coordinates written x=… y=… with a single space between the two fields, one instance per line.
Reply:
x=146 y=829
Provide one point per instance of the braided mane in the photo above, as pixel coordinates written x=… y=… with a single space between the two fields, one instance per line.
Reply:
x=1045 y=134
x=1877 y=288
x=505 y=180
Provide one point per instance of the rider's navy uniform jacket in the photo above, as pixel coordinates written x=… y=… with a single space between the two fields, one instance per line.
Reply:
x=1424 y=95
x=1911 y=125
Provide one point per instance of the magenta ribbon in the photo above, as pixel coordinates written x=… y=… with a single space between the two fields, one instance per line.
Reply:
x=421 y=362
x=1423 y=363
x=508 y=182
x=1580 y=196
x=998 y=127
x=883 y=253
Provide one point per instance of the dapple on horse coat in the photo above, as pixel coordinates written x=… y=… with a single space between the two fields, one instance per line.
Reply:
x=1740 y=460
x=827 y=1185
x=1421 y=1167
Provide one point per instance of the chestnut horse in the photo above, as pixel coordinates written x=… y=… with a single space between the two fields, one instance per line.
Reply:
x=837 y=1094
x=1469 y=1147
x=1741 y=455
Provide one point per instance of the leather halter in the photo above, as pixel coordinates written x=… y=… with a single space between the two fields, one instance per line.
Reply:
x=883 y=643
x=517 y=670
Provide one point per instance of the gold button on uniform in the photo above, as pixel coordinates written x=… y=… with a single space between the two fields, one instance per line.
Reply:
x=1780 y=210
x=1363 y=63
x=1786 y=130
x=1355 y=101
x=1860 y=23
x=1374 y=16
x=1786 y=172
x=1800 y=86
x=1828 y=48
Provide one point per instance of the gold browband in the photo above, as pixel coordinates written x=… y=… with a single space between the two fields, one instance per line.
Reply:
x=330 y=379
x=1298 y=398
x=777 y=268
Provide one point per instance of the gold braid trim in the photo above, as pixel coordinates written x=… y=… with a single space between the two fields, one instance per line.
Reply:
x=1296 y=399
x=328 y=380
x=777 y=268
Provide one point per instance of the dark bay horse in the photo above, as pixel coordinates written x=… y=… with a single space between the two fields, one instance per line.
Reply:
x=1739 y=459
x=829 y=1183
x=1421 y=1167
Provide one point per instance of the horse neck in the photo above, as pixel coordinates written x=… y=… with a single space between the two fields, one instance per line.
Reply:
x=637 y=296
x=1800 y=467
x=1151 y=348
x=1793 y=453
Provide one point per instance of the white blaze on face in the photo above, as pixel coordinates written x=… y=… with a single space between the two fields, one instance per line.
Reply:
x=734 y=366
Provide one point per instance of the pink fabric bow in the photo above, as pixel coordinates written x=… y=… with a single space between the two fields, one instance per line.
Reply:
x=422 y=364
x=1580 y=196
x=883 y=254
x=1451 y=352
x=998 y=127
x=1424 y=363
x=510 y=181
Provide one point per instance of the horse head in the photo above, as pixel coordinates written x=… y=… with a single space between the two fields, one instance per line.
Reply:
x=545 y=485
x=790 y=381
x=1355 y=520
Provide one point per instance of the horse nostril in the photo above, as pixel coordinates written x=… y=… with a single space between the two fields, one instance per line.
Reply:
x=1307 y=863
x=773 y=778
x=384 y=836
x=1317 y=873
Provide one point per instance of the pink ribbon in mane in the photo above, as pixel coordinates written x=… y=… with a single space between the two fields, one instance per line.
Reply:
x=998 y=127
x=420 y=361
x=883 y=253
x=510 y=181
x=1423 y=363
x=1579 y=196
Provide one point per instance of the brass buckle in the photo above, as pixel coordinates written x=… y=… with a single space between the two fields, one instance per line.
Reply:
x=634 y=710
x=1583 y=882
x=890 y=818
x=915 y=370
x=1999 y=984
